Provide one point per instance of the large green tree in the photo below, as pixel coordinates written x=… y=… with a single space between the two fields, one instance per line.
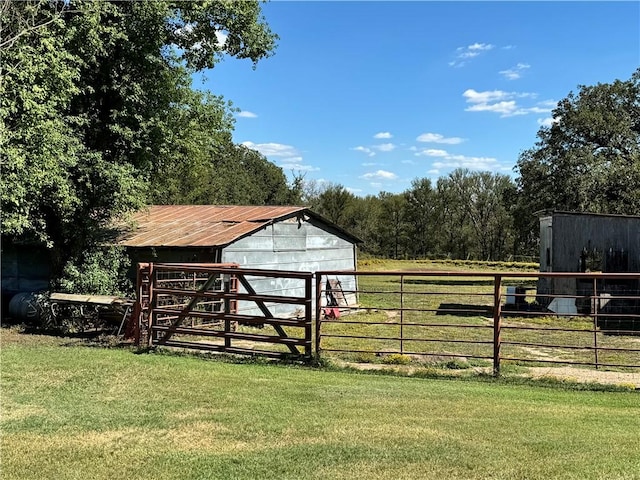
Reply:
x=589 y=158
x=97 y=107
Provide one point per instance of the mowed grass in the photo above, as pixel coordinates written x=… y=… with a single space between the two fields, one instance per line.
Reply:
x=70 y=411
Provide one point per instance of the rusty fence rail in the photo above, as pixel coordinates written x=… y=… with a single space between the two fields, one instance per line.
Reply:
x=585 y=319
x=201 y=306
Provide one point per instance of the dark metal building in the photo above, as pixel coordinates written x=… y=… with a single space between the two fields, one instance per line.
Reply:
x=586 y=242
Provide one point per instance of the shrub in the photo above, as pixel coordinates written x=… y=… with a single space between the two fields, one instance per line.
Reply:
x=397 y=359
x=100 y=271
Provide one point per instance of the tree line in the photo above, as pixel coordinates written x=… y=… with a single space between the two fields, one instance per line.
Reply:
x=463 y=215
x=99 y=117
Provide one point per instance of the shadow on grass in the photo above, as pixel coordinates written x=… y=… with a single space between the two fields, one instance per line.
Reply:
x=464 y=310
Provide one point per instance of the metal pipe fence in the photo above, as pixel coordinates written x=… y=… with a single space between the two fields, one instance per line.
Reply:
x=585 y=319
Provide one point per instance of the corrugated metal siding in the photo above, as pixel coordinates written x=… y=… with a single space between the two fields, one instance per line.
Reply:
x=265 y=250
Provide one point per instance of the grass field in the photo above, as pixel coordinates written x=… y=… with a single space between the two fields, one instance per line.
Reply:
x=438 y=305
x=70 y=411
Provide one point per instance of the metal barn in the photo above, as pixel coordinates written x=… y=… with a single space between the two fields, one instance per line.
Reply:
x=582 y=242
x=262 y=237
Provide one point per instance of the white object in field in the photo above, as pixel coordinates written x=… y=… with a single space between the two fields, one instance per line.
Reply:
x=511 y=295
x=563 y=306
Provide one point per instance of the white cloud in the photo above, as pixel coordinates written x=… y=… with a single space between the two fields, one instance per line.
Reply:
x=472 y=163
x=465 y=53
x=288 y=156
x=506 y=108
x=295 y=163
x=432 y=152
x=273 y=149
x=548 y=103
x=547 y=122
x=504 y=103
x=366 y=150
x=514 y=73
x=385 y=147
x=221 y=38
x=484 y=97
x=380 y=175
x=476 y=47
x=383 y=135
x=437 y=138
x=538 y=109
x=247 y=114
x=355 y=191
x=370 y=164
x=292 y=164
x=450 y=161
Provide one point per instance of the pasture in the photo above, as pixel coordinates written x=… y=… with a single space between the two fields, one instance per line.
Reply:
x=72 y=411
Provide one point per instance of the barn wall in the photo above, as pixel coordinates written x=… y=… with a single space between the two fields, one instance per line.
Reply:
x=564 y=237
x=289 y=245
x=573 y=233
x=170 y=255
x=25 y=268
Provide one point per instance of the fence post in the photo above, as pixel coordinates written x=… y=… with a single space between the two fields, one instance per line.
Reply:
x=140 y=304
x=152 y=304
x=401 y=314
x=226 y=282
x=497 y=318
x=596 y=305
x=308 y=307
x=318 y=310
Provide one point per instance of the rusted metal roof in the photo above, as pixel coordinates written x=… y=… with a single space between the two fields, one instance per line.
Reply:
x=200 y=225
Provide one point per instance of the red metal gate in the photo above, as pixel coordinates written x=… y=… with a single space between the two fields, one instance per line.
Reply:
x=216 y=307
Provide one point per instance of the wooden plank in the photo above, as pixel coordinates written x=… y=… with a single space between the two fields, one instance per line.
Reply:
x=84 y=298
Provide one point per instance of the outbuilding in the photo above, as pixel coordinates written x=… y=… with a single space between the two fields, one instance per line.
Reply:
x=289 y=238
x=586 y=242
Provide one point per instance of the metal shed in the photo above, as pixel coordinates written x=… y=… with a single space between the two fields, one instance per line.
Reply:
x=260 y=237
x=580 y=242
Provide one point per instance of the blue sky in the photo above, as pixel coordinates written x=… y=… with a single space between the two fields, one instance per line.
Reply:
x=372 y=95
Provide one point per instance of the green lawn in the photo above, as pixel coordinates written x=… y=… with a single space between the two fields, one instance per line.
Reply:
x=72 y=411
